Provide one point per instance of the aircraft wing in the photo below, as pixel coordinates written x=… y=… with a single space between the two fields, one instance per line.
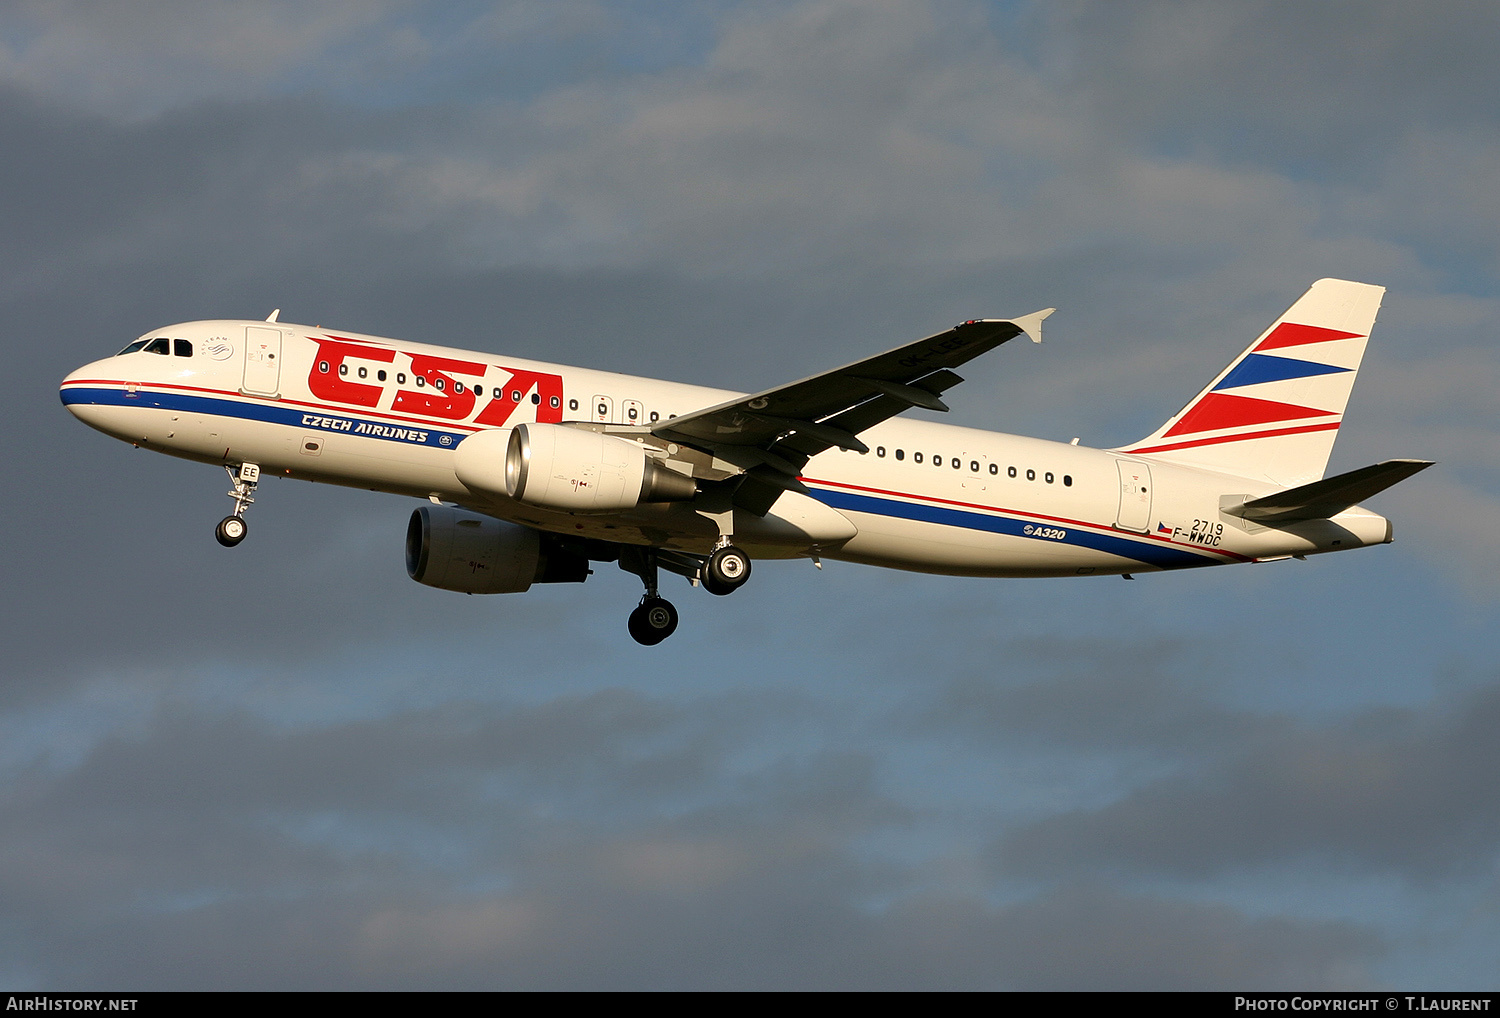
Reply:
x=772 y=434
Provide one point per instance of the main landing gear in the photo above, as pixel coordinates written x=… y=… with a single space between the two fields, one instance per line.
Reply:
x=231 y=529
x=654 y=619
x=726 y=570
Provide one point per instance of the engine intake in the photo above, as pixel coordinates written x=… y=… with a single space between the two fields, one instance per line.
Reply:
x=474 y=554
x=583 y=471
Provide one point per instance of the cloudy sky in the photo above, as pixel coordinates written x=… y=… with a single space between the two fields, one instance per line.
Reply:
x=288 y=766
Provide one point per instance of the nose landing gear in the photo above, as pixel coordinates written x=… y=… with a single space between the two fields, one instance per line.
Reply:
x=232 y=529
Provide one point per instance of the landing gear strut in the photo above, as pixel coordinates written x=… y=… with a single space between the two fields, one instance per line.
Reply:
x=231 y=529
x=654 y=619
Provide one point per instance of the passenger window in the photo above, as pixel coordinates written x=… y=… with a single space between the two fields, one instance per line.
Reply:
x=1031 y=475
x=572 y=404
x=974 y=466
x=916 y=457
x=994 y=468
x=458 y=388
x=421 y=382
x=182 y=347
x=158 y=346
x=631 y=413
x=401 y=378
x=1010 y=472
x=901 y=454
x=957 y=463
x=536 y=399
x=380 y=375
x=937 y=461
x=1067 y=480
x=363 y=372
x=323 y=367
x=1048 y=477
x=654 y=415
x=440 y=384
x=880 y=451
x=515 y=395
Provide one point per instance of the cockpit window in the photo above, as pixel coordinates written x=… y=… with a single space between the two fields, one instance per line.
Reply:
x=160 y=346
x=182 y=347
x=133 y=347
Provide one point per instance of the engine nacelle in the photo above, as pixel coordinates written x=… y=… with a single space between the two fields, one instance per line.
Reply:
x=474 y=554
x=576 y=470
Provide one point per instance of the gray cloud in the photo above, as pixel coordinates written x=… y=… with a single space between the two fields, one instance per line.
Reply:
x=407 y=854
x=1400 y=790
x=1318 y=87
x=1100 y=695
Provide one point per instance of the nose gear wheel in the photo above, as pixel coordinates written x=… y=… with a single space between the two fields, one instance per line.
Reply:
x=230 y=531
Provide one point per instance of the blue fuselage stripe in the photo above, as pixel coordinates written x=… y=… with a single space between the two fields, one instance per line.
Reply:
x=270 y=413
x=1139 y=550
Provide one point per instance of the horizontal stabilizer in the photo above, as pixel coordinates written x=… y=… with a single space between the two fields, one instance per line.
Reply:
x=1323 y=499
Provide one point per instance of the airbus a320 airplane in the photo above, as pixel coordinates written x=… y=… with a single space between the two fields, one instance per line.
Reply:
x=535 y=470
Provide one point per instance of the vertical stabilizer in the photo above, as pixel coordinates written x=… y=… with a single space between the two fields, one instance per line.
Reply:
x=1274 y=412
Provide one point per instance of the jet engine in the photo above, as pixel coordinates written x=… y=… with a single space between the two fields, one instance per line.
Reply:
x=475 y=554
x=576 y=470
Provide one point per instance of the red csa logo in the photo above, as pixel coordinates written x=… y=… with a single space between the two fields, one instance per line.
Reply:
x=439 y=392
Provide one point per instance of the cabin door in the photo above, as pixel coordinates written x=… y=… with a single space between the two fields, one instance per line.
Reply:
x=1135 y=496
x=262 y=361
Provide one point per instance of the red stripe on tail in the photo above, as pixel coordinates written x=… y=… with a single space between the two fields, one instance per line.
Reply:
x=1217 y=411
x=1292 y=334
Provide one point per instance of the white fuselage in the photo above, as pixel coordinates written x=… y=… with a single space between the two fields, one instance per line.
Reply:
x=388 y=415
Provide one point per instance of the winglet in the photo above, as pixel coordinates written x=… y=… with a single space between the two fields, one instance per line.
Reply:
x=1032 y=324
x=274 y=315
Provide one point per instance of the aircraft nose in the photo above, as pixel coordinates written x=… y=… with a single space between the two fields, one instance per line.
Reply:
x=73 y=390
